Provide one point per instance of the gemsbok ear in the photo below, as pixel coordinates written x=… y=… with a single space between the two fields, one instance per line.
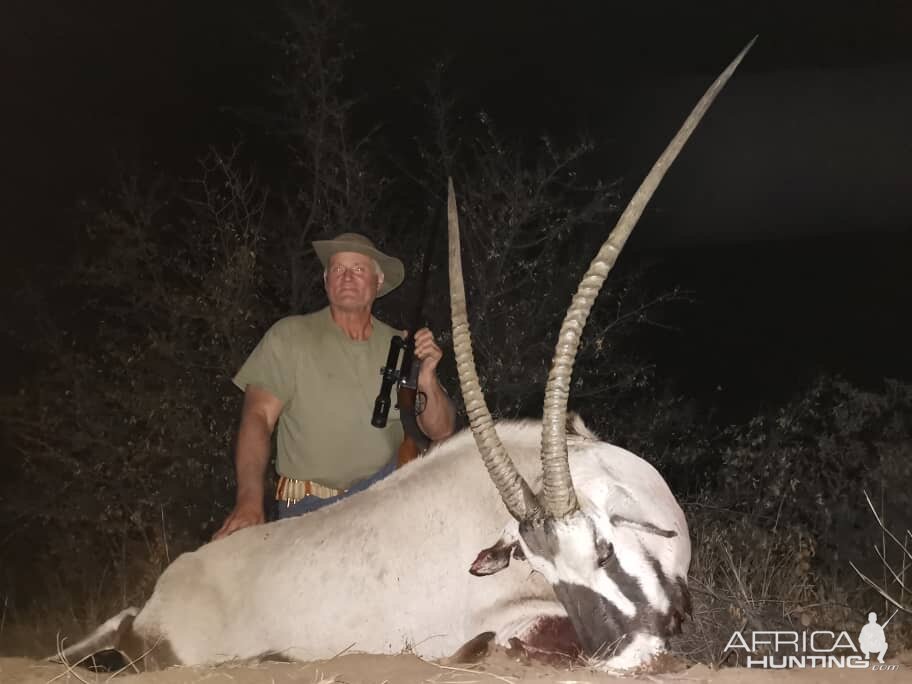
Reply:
x=642 y=526
x=495 y=558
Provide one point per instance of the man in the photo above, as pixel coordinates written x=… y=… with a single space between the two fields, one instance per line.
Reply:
x=315 y=377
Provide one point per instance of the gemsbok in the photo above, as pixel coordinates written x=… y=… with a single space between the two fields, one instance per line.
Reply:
x=422 y=561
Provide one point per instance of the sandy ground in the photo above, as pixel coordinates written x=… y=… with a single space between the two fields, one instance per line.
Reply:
x=407 y=669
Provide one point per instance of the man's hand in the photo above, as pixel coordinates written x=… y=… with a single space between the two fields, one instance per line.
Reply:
x=258 y=419
x=438 y=419
x=245 y=514
x=427 y=351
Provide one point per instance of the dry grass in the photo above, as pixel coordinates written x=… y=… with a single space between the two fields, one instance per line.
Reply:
x=63 y=602
x=745 y=577
x=894 y=579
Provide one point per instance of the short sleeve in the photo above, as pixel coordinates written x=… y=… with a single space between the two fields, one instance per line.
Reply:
x=272 y=364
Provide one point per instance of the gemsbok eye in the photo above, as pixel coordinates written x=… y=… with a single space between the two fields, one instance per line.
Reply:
x=605 y=552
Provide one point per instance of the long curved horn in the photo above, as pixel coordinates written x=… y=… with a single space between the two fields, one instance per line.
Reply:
x=514 y=490
x=559 y=497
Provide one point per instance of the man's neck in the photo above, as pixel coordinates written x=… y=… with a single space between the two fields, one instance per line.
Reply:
x=356 y=324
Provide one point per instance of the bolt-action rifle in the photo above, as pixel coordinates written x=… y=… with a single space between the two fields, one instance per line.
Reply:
x=410 y=401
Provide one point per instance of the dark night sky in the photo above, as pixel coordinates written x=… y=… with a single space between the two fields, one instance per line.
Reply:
x=790 y=212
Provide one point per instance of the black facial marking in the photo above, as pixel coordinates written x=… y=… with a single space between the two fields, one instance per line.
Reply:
x=669 y=623
x=627 y=584
x=540 y=538
x=603 y=630
x=604 y=552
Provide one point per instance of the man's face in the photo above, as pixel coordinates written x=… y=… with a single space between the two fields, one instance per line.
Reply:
x=352 y=281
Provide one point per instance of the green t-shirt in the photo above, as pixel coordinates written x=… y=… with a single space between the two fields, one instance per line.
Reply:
x=327 y=383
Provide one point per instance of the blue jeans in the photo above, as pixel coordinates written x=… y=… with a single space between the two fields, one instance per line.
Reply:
x=312 y=503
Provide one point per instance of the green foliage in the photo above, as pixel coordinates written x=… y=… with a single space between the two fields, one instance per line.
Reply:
x=128 y=425
x=809 y=462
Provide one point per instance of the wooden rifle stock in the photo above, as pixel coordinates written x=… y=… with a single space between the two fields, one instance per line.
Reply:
x=414 y=441
x=409 y=449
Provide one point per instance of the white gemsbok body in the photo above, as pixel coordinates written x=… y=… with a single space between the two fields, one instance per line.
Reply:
x=421 y=562
x=389 y=569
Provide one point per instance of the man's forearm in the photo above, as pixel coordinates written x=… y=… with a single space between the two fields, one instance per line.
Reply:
x=251 y=458
x=438 y=419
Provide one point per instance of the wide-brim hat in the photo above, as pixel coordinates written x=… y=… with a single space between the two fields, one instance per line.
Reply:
x=393 y=269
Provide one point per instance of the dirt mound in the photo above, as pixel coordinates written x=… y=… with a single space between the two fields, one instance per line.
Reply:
x=408 y=669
